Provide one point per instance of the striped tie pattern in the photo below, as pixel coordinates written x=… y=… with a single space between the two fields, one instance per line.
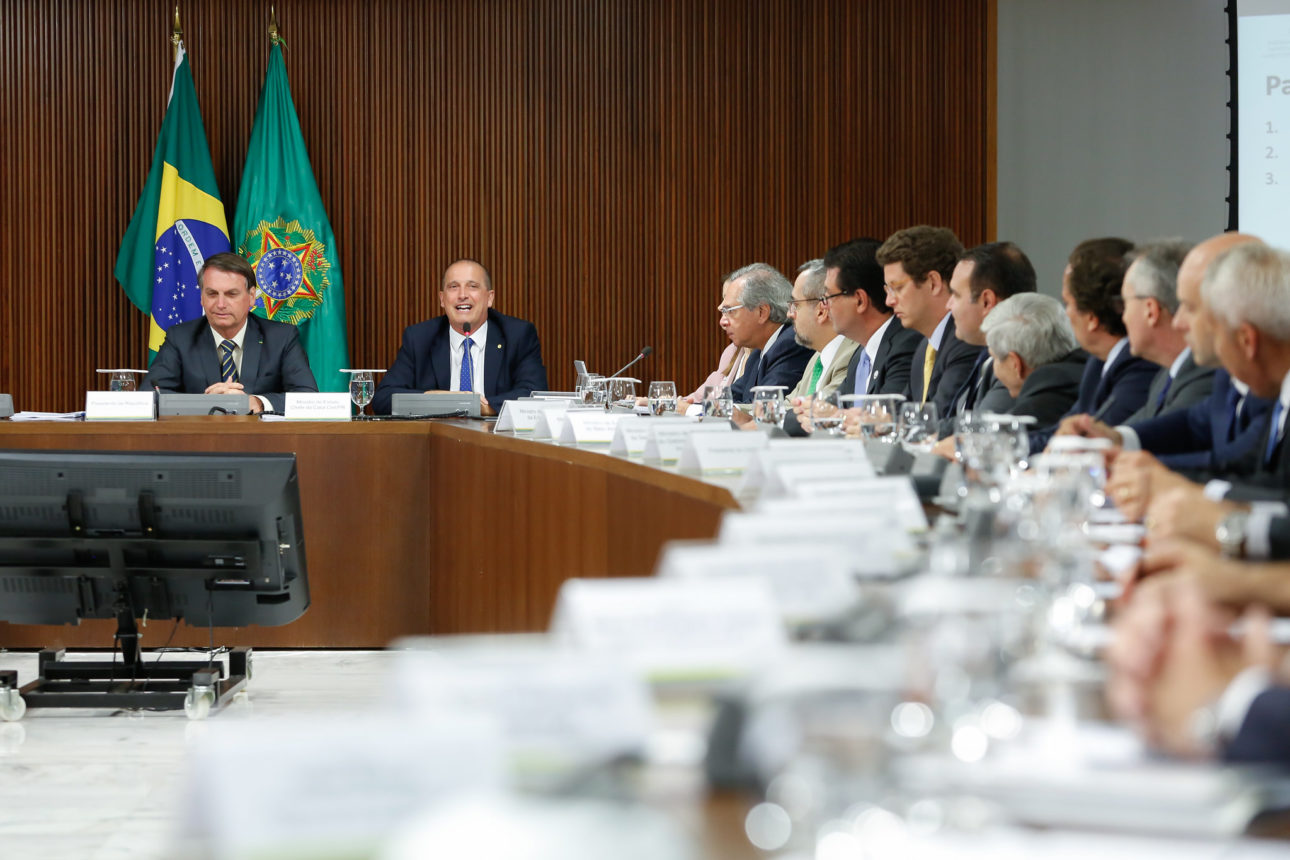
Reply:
x=227 y=367
x=466 y=382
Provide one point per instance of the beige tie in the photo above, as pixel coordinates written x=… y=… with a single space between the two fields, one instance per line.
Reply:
x=929 y=359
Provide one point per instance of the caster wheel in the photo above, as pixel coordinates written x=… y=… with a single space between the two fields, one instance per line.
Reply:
x=12 y=706
x=198 y=703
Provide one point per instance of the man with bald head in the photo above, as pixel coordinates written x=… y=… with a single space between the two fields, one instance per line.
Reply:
x=471 y=347
x=1216 y=430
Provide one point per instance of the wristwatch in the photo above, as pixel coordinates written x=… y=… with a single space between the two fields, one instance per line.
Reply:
x=1231 y=532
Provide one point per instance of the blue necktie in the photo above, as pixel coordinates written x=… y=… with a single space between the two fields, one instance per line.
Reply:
x=1235 y=415
x=227 y=367
x=1164 y=391
x=862 y=372
x=466 y=382
x=1274 y=432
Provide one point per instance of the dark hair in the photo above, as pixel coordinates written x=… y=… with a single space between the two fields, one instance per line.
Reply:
x=488 y=278
x=1001 y=267
x=233 y=264
x=858 y=270
x=1097 y=273
x=922 y=250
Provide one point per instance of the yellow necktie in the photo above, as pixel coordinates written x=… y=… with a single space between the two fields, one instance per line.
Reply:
x=929 y=359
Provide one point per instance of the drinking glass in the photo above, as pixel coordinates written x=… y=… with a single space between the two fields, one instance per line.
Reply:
x=768 y=405
x=826 y=413
x=122 y=380
x=718 y=401
x=876 y=415
x=592 y=390
x=621 y=392
x=918 y=427
x=662 y=398
x=361 y=389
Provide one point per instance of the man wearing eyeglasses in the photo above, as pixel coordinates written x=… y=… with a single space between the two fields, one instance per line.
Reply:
x=813 y=327
x=754 y=314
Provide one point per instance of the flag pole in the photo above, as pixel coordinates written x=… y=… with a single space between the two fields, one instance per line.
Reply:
x=274 y=37
x=177 y=35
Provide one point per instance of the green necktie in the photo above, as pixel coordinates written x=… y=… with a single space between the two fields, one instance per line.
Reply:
x=817 y=368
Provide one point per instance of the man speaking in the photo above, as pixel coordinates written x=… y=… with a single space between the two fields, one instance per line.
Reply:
x=229 y=350
x=470 y=348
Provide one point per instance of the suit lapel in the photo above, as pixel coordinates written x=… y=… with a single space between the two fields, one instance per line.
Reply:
x=1154 y=406
x=879 y=360
x=493 y=352
x=251 y=347
x=441 y=358
x=916 y=370
x=204 y=347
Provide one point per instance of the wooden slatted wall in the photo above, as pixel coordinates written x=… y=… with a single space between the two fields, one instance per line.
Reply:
x=608 y=159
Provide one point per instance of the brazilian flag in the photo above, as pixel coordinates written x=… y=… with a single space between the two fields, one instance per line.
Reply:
x=179 y=221
x=281 y=227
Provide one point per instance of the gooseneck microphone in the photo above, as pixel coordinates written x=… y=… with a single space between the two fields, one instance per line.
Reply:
x=465 y=329
x=645 y=350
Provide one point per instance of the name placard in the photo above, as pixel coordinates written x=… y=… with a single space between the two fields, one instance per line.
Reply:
x=120 y=406
x=631 y=434
x=590 y=426
x=875 y=542
x=810 y=582
x=810 y=450
x=521 y=416
x=550 y=421
x=786 y=477
x=673 y=629
x=896 y=493
x=557 y=709
x=725 y=452
x=317 y=406
x=667 y=438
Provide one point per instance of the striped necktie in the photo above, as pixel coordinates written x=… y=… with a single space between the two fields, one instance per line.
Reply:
x=929 y=361
x=466 y=381
x=227 y=367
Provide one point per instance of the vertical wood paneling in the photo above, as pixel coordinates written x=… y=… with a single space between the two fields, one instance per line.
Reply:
x=608 y=159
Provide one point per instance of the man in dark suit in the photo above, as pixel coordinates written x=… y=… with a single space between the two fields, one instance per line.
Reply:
x=918 y=263
x=1150 y=298
x=1213 y=431
x=856 y=297
x=754 y=314
x=1115 y=383
x=229 y=350
x=1034 y=355
x=470 y=348
x=985 y=276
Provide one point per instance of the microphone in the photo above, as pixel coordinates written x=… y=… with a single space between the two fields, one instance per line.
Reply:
x=465 y=329
x=645 y=350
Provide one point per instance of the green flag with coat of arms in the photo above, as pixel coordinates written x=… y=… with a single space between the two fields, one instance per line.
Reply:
x=281 y=227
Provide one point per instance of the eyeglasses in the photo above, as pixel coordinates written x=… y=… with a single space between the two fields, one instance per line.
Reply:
x=727 y=310
x=793 y=303
x=898 y=288
x=824 y=299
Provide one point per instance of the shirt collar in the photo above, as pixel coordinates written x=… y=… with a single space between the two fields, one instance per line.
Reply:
x=478 y=336
x=770 y=341
x=237 y=338
x=1114 y=354
x=875 y=340
x=939 y=334
x=1178 y=362
x=830 y=349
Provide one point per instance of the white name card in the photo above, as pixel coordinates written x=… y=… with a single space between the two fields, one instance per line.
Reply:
x=875 y=542
x=667 y=438
x=319 y=406
x=810 y=450
x=725 y=452
x=521 y=416
x=335 y=787
x=895 y=493
x=120 y=406
x=673 y=629
x=550 y=422
x=557 y=709
x=590 y=426
x=786 y=477
x=810 y=582
x=631 y=435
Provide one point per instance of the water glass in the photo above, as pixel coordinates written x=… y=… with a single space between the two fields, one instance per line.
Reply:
x=918 y=427
x=361 y=389
x=122 y=380
x=718 y=401
x=592 y=391
x=662 y=398
x=768 y=405
x=876 y=415
x=621 y=391
x=826 y=413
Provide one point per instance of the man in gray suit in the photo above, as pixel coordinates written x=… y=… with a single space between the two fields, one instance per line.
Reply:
x=1150 y=296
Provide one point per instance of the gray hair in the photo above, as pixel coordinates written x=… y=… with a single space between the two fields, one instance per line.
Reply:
x=1251 y=284
x=764 y=285
x=813 y=286
x=1032 y=325
x=1154 y=270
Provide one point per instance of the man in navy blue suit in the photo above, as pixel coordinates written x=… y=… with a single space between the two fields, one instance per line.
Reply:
x=470 y=348
x=754 y=314
x=1115 y=382
x=229 y=350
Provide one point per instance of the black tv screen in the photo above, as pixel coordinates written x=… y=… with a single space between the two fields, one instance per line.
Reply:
x=212 y=539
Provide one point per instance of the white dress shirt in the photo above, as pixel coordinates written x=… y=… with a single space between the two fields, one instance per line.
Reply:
x=237 y=358
x=871 y=347
x=456 y=341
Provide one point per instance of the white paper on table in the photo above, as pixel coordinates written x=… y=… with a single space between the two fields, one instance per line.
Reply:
x=317 y=406
x=120 y=406
x=519 y=416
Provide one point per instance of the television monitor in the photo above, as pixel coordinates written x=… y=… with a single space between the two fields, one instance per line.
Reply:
x=212 y=539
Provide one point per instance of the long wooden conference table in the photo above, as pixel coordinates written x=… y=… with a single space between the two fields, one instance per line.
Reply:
x=415 y=528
